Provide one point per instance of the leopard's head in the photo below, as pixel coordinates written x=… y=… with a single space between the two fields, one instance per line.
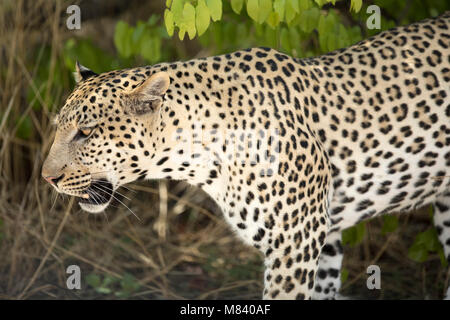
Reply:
x=103 y=133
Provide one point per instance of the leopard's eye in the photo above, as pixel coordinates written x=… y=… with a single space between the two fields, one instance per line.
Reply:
x=83 y=133
x=86 y=131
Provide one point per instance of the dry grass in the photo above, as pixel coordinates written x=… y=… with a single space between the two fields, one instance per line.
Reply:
x=178 y=248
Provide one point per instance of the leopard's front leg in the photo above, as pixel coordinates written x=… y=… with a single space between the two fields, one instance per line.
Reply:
x=294 y=247
x=284 y=213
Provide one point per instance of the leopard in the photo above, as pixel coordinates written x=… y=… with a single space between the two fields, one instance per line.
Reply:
x=292 y=150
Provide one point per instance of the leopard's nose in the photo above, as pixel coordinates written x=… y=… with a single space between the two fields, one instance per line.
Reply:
x=54 y=180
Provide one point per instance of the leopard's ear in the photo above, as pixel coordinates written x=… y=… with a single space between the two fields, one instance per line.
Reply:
x=148 y=96
x=82 y=73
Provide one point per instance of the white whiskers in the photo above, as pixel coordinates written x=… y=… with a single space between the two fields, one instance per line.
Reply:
x=104 y=188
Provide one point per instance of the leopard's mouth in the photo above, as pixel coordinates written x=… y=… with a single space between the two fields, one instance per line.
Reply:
x=97 y=196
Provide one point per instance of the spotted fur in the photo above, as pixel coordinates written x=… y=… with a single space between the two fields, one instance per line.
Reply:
x=345 y=137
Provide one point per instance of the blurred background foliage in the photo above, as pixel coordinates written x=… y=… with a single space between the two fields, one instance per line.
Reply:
x=179 y=248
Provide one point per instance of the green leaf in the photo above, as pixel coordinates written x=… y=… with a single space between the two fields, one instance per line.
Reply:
x=202 y=17
x=270 y=38
x=427 y=242
x=189 y=19
x=354 y=235
x=218 y=35
x=123 y=39
x=103 y=290
x=320 y=3
x=294 y=39
x=151 y=48
x=325 y=26
x=356 y=5
x=418 y=253
x=278 y=7
x=327 y=33
x=178 y=17
x=354 y=34
x=177 y=10
x=431 y=240
x=309 y=19
x=441 y=253
x=284 y=39
x=229 y=32
x=93 y=280
x=390 y=224
x=215 y=9
x=152 y=20
x=291 y=10
x=305 y=5
x=253 y=9
x=169 y=22
x=129 y=283
x=181 y=32
x=265 y=8
x=273 y=20
x=321 y=29
x=293 y=4
x=344 y=275
x=332 y=42
x=343 y=38
x=321 y=25
x=424 y=243
x=137 y=35
x=236 y=5
x=360 y=232
x=108 y=280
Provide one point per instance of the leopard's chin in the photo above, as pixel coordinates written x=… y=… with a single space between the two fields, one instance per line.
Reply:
x=93 y=208
x=100 y=193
